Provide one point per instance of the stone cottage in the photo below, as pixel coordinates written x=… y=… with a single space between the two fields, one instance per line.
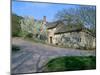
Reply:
x=70 y=35
x=58 y=33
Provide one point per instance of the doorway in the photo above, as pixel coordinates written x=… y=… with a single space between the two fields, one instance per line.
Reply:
x=51 y=40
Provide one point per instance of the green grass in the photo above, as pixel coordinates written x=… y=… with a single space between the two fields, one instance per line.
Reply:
x=71 y=63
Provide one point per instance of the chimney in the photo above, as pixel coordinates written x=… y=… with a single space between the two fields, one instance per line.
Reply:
x=44 y=19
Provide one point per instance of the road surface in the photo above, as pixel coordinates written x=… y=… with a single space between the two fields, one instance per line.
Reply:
x=33 y=56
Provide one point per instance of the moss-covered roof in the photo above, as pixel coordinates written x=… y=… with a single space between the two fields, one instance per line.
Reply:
x=68 y=28
x=53 y=24
x=62 y=28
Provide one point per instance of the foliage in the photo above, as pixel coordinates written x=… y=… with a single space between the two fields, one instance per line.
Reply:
x=71 y=63
x=16 y=28
x=29 y=35
x=33 y=28
x=27 y=25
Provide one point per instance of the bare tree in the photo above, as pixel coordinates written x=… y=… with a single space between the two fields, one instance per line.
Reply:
x=85 y=15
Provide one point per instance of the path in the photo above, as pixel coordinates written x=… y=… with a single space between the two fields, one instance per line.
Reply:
x=33 y=56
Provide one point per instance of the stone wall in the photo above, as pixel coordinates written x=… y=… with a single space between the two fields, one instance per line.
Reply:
x=51 y=34
x=88 y=40
x=68 y=39
x=75 y=40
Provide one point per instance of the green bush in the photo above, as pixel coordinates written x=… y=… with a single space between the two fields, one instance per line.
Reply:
x=16 y=34
x=16 y=28
x=70 y=63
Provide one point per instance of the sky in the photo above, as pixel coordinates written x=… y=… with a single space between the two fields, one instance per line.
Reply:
x=38 y=10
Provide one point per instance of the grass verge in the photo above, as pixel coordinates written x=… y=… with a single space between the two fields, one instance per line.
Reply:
x=70 y=63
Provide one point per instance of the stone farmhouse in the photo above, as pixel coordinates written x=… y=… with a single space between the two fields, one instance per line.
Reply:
x=58 y=33
x=70 y=36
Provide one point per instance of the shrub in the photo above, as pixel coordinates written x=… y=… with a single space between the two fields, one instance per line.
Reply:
x=16 y=28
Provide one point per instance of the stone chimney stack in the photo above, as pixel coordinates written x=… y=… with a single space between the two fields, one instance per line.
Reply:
x=44 y=19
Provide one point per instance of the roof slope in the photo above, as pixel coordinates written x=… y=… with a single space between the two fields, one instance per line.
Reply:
x=68 y=28
x=62 y=28
x=54 y=24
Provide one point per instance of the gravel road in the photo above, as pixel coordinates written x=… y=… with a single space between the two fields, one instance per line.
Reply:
x=33 y=56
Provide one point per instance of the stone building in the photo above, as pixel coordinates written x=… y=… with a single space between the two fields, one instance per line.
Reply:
x=70 y=35
x=58 y=33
